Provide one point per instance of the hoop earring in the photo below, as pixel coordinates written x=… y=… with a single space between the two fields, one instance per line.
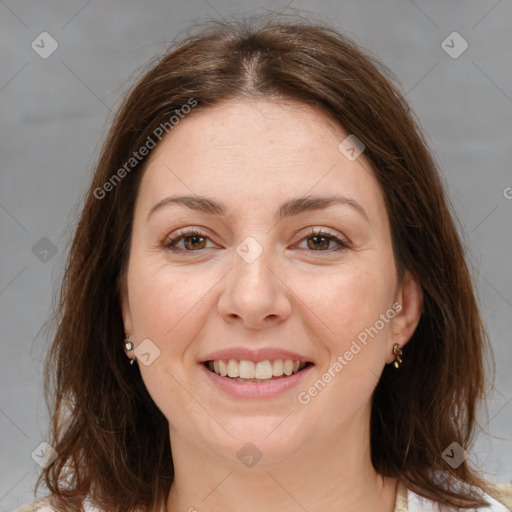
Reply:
x=398 y=353
x=128 y=345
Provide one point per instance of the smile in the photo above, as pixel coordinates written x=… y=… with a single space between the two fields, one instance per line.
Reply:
x=245 y=379
x=255 y=371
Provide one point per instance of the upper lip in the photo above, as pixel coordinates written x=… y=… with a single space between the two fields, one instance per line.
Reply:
x=246 y=354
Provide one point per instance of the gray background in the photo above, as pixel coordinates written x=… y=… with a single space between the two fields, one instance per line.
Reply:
x=54 y=113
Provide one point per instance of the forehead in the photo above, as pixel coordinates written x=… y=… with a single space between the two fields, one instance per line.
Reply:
x=255 y=151
x=245 y=127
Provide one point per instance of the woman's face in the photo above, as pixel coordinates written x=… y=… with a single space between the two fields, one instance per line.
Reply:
x=257 y=285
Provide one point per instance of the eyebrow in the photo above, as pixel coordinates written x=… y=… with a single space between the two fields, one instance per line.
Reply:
x=288 y=209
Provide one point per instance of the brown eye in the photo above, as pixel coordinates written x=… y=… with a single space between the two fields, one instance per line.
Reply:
x=319 y=241
x=193 y=241
x=196 y=242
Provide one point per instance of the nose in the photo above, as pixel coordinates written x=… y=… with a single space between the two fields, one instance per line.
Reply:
x=255 y=293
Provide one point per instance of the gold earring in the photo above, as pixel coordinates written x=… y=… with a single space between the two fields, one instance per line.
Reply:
x=398 y=353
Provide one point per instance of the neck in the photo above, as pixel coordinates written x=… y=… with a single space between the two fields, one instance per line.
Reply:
x=324 y=475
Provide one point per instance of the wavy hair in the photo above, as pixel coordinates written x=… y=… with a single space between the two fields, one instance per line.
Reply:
x=112 y=440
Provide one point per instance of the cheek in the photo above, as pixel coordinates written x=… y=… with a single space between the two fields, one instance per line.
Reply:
x=350 y=306
x=349 y=302
x=165 y=306
x=162 y=301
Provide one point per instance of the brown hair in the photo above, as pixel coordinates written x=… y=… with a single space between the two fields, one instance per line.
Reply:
x=112 y=440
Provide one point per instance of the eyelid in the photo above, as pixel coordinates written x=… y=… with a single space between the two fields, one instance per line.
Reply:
x=170 y=242
x=321 y=231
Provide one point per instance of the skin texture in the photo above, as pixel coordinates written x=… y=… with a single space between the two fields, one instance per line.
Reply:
x=253 y=155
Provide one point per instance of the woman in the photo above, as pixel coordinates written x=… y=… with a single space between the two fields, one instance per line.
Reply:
x=267 y=305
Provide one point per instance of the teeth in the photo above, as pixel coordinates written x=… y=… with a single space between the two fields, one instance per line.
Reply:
x=233 y=368
x=247 y=370
x=260 y=370
x=288 y=367
x=263 y=369
x=223 y=368
x=277 y=368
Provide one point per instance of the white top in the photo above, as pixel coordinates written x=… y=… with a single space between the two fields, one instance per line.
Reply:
x=409 y=501
x=406 y=501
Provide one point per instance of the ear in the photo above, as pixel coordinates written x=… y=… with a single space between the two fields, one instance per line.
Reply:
x=409 y=307
x=125 y=309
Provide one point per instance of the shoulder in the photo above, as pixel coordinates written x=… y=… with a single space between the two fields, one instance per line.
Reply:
x=416 y=503
x=44 y=505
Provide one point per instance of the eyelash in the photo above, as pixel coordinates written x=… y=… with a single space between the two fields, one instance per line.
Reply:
x=170 y=243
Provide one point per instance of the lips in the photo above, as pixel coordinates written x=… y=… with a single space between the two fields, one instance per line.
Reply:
x=255 y=373
x=241 y=363
x=254 y=388
x=262 y=354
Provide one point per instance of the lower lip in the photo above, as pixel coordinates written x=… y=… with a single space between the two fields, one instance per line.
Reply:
x=270 y=389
